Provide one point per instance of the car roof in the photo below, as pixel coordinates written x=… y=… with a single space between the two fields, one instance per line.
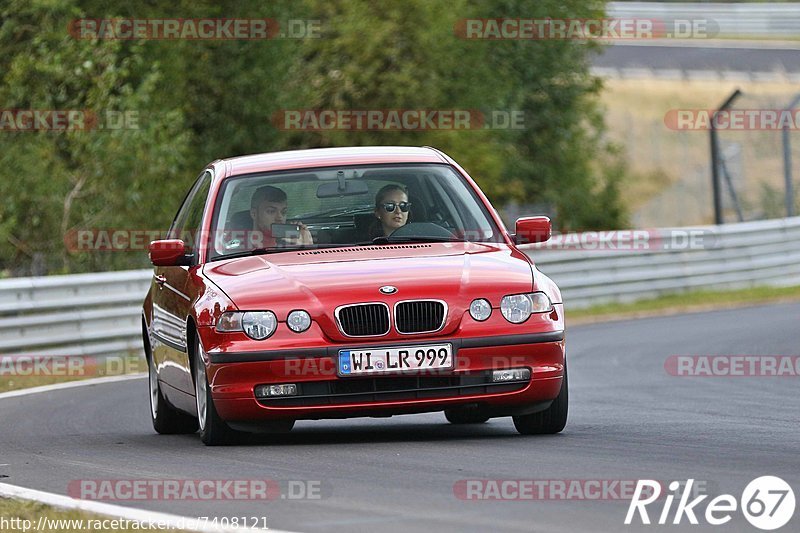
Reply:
x=326 y=157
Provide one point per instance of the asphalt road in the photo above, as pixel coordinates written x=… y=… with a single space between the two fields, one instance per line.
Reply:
x=730 y=57
x=629 y=420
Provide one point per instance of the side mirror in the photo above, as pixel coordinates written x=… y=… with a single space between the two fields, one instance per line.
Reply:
x=168 y=252
x=530 y=230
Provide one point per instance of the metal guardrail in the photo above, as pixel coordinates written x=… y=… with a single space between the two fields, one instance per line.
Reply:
x=80 y=314
x=756 y=20
x=733 y=256
x=99 y=314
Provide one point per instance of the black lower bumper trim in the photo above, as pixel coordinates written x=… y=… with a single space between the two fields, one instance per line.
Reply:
x=396 y=388
x=332 y=351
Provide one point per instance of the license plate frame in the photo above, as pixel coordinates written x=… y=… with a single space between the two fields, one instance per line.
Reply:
x=383 y=360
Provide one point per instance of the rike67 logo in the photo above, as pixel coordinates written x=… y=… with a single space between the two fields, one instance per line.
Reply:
x=767 y=503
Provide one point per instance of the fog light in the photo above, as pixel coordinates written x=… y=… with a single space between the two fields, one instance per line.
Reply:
x=298 y=321
x=480 y=309
x=512 y=374
x=269 y=391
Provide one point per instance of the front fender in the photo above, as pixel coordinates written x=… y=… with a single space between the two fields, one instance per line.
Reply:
x=543 y=283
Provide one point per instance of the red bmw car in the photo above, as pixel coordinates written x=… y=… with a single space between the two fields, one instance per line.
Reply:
x=348 y=282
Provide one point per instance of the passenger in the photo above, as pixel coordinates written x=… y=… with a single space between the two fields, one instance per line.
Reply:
x=391 y=210
x=268 y=206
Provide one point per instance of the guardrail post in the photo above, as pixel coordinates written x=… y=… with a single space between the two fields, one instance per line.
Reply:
x=787 y=162
x=715 y=186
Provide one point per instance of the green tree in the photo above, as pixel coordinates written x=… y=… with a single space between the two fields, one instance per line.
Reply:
x=201 y=100
x=54 y=182
x=406 y=54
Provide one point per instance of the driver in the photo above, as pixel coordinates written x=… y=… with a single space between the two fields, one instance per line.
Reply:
x=391 y=210
x=268 y=206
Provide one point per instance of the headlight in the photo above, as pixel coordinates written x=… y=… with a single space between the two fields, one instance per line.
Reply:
x=256 y=324
x=259 y=325
x=229 y=321
x=480 y=309
x=517 y=308
x=541 y=303
x=298 y=321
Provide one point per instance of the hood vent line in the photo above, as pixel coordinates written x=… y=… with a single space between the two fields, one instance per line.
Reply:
x=364 y=248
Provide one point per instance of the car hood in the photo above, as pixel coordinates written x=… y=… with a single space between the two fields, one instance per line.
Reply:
x=327 y=278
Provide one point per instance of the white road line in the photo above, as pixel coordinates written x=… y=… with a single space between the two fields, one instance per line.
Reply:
x=106 y=509
x=117 y=511
x=70 y=385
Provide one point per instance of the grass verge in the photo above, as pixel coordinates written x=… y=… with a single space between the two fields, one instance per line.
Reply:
x=668 y=182
x=685 y=302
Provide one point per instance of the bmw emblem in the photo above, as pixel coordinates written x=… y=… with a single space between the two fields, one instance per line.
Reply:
x=388 y=289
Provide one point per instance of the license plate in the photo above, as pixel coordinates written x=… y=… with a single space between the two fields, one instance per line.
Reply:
x=397 y=359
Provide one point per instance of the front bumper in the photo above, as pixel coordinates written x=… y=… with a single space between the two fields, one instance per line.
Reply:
x=322 y=394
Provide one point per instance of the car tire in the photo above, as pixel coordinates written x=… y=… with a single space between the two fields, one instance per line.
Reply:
x=461 y=416
x=550 y=421
x=213 y=430
x=166 y=419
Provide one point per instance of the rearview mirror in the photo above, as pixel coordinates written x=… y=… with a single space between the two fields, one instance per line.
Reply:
x=336 y=189
x=342 y=187
x=530 y=230
x=167 y=252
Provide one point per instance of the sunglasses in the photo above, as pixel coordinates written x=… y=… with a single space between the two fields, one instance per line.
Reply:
x=389 y=206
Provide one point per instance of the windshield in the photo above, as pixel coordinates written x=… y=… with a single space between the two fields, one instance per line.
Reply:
x=347 y=206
